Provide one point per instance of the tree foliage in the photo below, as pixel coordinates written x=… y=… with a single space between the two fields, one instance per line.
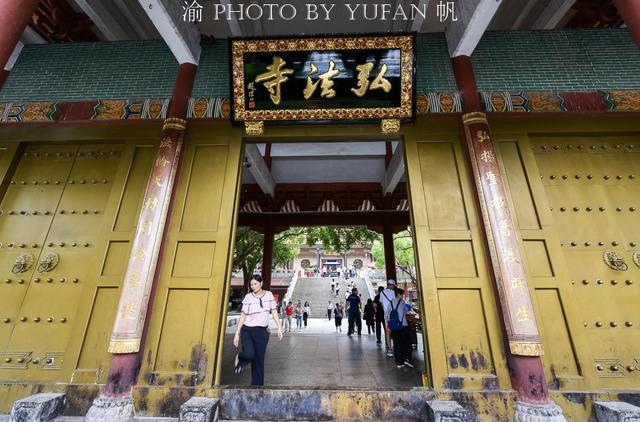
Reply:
x=403 y=251
x=250 y=244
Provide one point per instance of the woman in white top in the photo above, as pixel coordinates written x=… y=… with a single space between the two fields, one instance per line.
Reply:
x=253 y=327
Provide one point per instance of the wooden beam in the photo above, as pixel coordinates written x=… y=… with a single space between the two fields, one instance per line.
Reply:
x=14 y=56
x=109 y=21
x=340 y=218
x=183 y=38
x=395 y=170
x=474 y=16
x=259 y=170
x=553 y=14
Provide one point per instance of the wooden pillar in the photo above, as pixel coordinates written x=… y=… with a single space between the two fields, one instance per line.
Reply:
x=267 y=257
x=389 y=253
x=630 y=12
x=519 y=324
x=14 y=17
x=4 y=74
x=129 y=331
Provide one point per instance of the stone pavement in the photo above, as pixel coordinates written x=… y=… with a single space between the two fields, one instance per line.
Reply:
x=318 y=357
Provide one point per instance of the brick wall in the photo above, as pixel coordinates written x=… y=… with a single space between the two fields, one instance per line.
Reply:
x=569 y=60
x=212 y=79
x=83 y=71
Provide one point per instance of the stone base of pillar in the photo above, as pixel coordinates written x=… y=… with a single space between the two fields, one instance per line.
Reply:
x=111 y=409
x=37 y=408
x=616 y=411
x=538 y=413
x=199 y=409
x=447 y=411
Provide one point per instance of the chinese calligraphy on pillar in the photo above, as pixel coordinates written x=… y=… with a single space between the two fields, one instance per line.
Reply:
x=136 y=287
x=506 y=256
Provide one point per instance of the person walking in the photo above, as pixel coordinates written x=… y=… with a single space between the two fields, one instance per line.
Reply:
x=354 y=312
x=399 y=327
x=337 y=288
x=386 y=296
x=253 y=330
x=333 y=285
x=369 y=316
x=338 y=317
x=379 y=316
x=329 y=310
x=289 y=313
x=299 y=313
x=305 y=314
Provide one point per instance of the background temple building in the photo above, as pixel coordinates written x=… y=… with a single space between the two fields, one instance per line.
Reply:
x=136 y=137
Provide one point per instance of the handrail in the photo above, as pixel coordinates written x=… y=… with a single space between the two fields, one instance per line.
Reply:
x=292 y=286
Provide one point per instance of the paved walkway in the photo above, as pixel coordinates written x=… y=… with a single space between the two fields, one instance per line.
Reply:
x=319 y=357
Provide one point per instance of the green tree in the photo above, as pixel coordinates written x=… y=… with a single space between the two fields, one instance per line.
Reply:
x=340 y=239
x=403 y=253
x=249 y=244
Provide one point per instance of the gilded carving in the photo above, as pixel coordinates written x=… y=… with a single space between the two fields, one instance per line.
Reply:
x=254 y=128
x=615 y=261
x=174 y=123
x=525 y=348
x=48 y=262
x=390 y=125
x=23 y=263
x=636 y=258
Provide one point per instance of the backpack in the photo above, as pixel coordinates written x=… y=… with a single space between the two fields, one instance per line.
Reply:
x=395 y=323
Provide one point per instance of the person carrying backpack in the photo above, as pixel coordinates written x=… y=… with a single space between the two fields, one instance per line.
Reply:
x=399 y=328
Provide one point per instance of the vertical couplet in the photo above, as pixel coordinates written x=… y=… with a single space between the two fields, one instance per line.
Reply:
x=142 y=269
x=518 y=319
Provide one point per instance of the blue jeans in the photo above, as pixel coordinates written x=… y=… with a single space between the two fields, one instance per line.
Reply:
x=299 y=321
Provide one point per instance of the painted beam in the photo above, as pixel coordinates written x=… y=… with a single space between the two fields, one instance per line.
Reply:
x=395 y=170
x=259 y=170
x=396 y=219
x=182 y=37
x=553 y=14
x=473 y=18
x=109 y=21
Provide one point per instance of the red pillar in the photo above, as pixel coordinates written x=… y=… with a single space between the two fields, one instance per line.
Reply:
x=630 y=12
x=389 y=254
x=14 y=17
x=267 y=257
x=4 y=74
x=124 y=368
x=527 y=373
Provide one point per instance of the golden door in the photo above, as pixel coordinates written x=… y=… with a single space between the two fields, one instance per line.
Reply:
x=67 y=218
x=186 y=329
x=463 y=334
x=576 y=199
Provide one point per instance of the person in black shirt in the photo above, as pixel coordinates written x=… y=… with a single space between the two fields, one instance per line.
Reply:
x=369 y=316
x=379 y=316
x=354 y=312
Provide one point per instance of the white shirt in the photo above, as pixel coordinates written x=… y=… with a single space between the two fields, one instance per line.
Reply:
x=386 y=296
x=330 y=306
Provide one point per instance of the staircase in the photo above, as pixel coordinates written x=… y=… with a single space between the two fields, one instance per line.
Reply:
x=317 y=291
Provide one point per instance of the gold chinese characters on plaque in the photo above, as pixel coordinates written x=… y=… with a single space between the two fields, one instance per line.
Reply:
x=338 y=78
